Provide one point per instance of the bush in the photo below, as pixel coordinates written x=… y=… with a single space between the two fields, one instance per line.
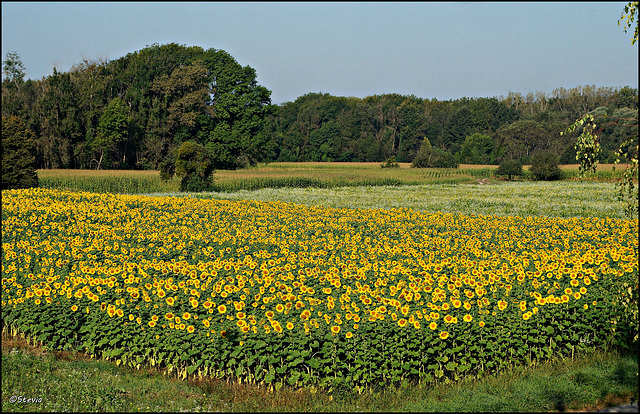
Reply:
x=544 y=166
x=194 y=163
x=18 y=155
x=390 y=163
x=509 y=168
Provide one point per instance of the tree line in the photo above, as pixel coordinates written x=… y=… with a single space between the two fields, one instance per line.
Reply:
x=136 y=112
x=321 y=127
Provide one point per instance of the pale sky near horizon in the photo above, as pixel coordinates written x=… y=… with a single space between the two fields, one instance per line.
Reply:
x=444 y=50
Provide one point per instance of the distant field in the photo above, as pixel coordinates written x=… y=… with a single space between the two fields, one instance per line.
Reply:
x=288 y=174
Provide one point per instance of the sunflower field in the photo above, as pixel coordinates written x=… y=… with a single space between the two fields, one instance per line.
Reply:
x=283 y=294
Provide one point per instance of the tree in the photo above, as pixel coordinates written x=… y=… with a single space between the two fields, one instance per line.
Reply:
x=13 y=72
x=476 y=149
x=13 y=69
x=430 y=157
x=509 y=168
x=522 y=139
x=112 y=129
x=18 y=155
x=544 y=166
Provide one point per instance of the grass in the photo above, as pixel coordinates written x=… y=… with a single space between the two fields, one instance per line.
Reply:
x=71 y=382
x=523 y=198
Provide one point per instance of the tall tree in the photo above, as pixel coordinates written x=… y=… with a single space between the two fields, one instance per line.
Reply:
x=112 y=130
x=18 y=155
x=13 y=72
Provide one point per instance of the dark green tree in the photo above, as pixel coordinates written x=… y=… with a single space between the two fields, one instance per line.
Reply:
x=18 y=155
x=509 y=168
x=544 y=166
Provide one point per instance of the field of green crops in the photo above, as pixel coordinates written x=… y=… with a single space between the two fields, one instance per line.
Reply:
x=330 y=288
x=290 y=175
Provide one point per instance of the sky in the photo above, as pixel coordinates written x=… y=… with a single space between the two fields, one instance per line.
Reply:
x=441 y=50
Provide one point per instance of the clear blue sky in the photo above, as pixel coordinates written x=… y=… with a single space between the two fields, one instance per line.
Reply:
x=432 y=50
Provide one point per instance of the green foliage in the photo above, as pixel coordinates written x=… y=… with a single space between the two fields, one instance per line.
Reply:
x=112 y=129
x=18 y=155
x=629 y=15
x=390 y=163
x=509 y=168
x=476 y=149
x=74 y=384
x=544 y=166
x=587 y=145
x=628 y=187
x=430 y=157
x=173 y=93
x=195 y=165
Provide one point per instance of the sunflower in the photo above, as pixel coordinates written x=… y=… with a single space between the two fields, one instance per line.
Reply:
x=467 y=318
x=190 y=329
x=222 y=308
x=433 y=326
x=444 y=335
x=335 y=329
x=74 y=308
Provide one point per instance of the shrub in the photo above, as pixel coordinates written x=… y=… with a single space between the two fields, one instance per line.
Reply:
x=18 y=155
x=390 y=163
x=509 y=168
x=194 y=163
x=544 y=166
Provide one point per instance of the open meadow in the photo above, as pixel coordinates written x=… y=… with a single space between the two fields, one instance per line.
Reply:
x=440 y=295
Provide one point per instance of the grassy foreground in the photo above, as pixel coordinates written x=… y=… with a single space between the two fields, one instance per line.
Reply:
x=61 y=381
